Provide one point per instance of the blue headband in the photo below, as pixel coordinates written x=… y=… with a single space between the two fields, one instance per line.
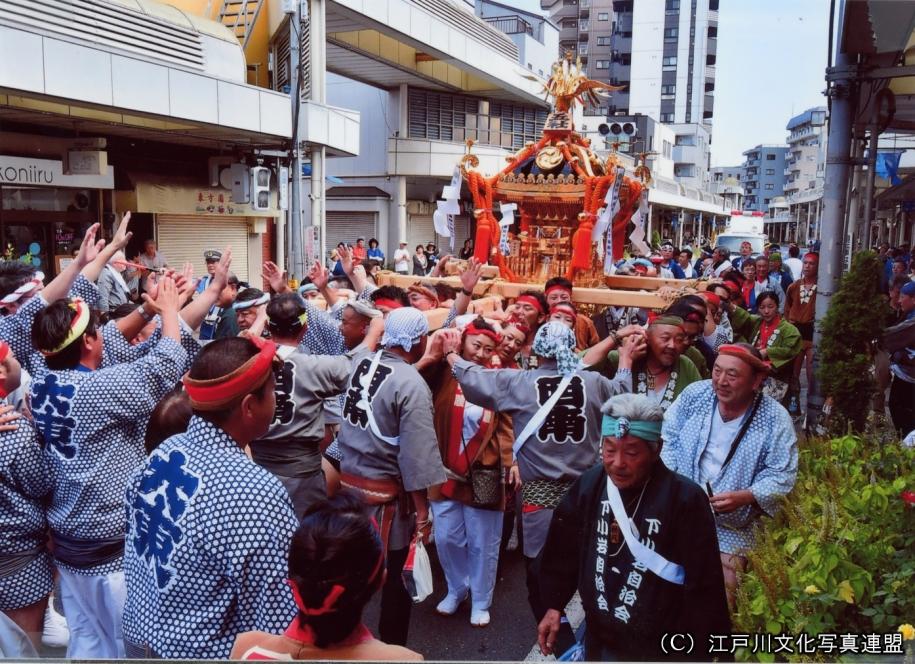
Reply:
x=623 y=426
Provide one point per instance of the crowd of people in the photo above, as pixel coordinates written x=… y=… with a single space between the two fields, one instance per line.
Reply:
x=219 y=470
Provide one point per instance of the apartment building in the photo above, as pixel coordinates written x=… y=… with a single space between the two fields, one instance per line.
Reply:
x=663 y=51
x=763 y=175
x=805 y=163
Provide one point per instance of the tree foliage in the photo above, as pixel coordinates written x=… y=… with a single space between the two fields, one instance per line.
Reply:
x=838 y=557
x=856 y=317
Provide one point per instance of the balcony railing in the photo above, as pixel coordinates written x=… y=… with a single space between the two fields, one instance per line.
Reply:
x=510 y=25
x=583 y=26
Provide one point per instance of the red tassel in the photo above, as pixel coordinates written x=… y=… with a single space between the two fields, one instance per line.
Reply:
x=581 y=247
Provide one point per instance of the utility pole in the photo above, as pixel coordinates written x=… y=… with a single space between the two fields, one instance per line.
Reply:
x=295 y=262
x=833 y=233
x=317 y=78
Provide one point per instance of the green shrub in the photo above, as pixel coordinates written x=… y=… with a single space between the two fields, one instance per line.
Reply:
x=840 y=556
x=856 y=317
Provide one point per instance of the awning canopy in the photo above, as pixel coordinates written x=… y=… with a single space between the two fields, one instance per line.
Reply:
x=425 y=43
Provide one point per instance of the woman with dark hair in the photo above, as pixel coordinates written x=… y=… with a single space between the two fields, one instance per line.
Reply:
x=476 y=448
x=467 y=250
x=375 y=253
x=778 y=341
x=336 y=565
x=420 y=262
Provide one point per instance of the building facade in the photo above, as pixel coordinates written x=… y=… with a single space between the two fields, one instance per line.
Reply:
x=536 y=37
x=763 y=176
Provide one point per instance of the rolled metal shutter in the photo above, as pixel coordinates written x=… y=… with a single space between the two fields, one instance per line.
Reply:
x=420 y=230
x=350 y=226
x=184 y=238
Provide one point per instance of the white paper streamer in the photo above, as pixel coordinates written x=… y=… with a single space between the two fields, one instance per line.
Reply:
x=508 y=218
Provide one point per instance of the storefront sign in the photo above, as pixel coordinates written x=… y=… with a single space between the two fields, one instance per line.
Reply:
x=160 y=198
x=29 y=172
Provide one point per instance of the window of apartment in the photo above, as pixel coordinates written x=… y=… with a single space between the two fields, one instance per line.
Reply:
x=668 y=89
x=770 y=157
x=449 y=117
x=672 y=5
x=685 y=139
x=770 y=187
x=669 y=61
x=569 y=3
x=603 y=16
x=603 y=41
x=770 y=171
x=624 y=59
x=602 y=64
x=666 y=148
x=671 y=33
x=569 y=23
x=667 y=117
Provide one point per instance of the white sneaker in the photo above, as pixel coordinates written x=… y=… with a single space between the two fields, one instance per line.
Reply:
x=55 y=634
x=479 y=617
x=449 y=605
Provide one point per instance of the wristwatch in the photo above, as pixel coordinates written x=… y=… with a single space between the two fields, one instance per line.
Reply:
x=468 y=293
x=146 y=316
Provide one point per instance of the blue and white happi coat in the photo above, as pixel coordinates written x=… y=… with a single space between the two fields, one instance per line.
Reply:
x=765 y=461
x=206 y=551
x=93 y=424
x=24 y=483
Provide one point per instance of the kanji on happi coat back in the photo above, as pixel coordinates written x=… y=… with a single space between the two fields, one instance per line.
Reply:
x=572 y=207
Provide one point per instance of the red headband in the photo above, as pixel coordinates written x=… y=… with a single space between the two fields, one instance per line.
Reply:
x=557 y=287
x=742 y=353
x=472 y=329
x=217 y=393
x=531 y=300
x=390 y=304
x=564 y=307
x=328 y=605
x=711 y=297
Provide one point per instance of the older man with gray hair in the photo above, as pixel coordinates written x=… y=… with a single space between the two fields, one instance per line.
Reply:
x=117 y=283
x=638 y=542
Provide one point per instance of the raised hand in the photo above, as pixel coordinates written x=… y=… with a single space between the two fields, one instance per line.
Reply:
x=167 y=298
x=346 y=259
x=471 y=275
x=89 y=248
x=274 y=277
x=318 y=275
x=121 y=235
x=221 y=275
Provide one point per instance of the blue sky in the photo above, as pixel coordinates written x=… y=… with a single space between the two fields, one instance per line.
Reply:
x=771 y=65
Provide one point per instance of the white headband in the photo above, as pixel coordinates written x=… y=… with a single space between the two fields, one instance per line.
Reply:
x=247 y=304
x=25 y=288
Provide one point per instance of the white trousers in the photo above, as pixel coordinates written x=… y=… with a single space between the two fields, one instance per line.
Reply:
x=467 y=541
x=94 y=606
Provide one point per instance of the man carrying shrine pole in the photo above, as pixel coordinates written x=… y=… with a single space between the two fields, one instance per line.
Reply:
x=208 y=529
x=554 y=409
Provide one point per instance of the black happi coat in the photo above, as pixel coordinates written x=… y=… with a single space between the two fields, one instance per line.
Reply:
x=636 y=608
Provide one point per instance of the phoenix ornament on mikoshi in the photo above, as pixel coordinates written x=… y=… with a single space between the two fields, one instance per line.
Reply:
x=571 y=207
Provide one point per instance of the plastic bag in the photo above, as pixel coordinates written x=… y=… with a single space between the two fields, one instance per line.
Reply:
x=417 y=572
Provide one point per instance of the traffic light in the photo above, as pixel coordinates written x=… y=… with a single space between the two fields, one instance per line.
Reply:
x=260 y=188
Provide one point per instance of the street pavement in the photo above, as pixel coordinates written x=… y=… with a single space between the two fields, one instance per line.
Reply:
x=510 y=635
